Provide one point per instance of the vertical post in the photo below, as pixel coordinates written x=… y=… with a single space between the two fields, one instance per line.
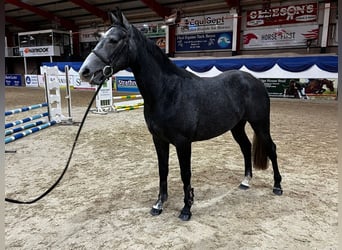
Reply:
x=47 y=99
x=68 y=94
x=2 y=130
x=25 y=65
x=326 y=18
x=167 y=38
x=235 y=34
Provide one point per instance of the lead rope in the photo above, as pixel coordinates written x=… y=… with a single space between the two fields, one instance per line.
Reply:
x=71 y=152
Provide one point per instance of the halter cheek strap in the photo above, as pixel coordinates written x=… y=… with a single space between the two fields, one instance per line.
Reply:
x=108 y=69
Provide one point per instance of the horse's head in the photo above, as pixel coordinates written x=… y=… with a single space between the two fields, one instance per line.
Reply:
x=110 y=54
x=329 y=84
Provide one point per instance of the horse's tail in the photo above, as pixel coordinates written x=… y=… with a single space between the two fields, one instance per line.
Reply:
x=260 y=159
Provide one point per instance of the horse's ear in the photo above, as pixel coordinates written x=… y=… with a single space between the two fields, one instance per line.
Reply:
x=117 y=17
x=113 y=17
x=125 y=21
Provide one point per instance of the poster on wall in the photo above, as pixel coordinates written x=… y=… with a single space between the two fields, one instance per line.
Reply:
x=34 y=80
x=279 y=37
x=205 y=33
x=212 y=41
x=291 y=14
x=205 y=24
x=309 y=88
x=13 y=80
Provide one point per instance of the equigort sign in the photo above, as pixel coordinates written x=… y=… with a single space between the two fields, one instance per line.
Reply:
x=297 y=13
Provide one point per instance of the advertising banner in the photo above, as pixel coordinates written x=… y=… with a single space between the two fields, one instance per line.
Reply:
x=292 y=14
x=126 y=84
x=211 y=41
x=276 y=87
x=13 y=80
x=40 y=51
x=279 y=37
x=32 y=80
x=205 y=24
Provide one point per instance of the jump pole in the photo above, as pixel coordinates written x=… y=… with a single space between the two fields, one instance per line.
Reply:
x=129 y=108
x=26 y=126
x=121 y=107
x=27 y=119
x=28 y=132
x=126 y=97
x=12 y=134
x=27 y=108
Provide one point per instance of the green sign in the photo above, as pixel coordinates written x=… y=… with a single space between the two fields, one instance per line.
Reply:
x=276 y=87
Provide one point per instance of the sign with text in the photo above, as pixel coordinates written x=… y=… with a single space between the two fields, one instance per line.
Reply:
x=276 y=87
x=31 y=81
x=296 y=13
x=13 y=80
x=205 y=24
x=40 y=51
x=279 y=37
x=126 y=84
x=205 y=41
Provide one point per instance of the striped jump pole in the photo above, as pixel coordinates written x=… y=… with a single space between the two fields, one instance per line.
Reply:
x=28 y=132
x=121 y=106
x=27 y=119
x=128 y=108
x=24 y=109
x=21 y=128
x=126 y=97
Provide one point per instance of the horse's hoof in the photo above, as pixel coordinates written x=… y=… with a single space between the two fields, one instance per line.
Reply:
x=185 y=216
x=277 y=191
x=243 y=187
x=155 y=211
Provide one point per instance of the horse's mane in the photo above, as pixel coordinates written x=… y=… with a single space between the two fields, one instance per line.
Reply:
x=162 y=59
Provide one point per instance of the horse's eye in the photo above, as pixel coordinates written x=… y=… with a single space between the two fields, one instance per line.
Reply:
x=113 y=41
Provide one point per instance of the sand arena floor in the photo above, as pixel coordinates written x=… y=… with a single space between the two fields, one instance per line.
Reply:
x=103 y=202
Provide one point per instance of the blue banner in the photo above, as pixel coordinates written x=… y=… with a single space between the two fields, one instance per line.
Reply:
x=126 y=84
x=13 y=80
x=204 y=41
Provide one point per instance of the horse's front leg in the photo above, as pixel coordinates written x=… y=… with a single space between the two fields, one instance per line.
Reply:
x=184 y=157
x=162 y=149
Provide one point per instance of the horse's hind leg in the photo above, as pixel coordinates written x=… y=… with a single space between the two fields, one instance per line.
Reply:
x=241 y=138
x=265 y=142
x=162 y=149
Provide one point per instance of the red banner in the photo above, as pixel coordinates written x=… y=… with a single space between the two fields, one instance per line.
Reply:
x=297 y=13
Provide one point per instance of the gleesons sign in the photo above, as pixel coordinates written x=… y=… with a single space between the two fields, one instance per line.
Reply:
x=297 y=13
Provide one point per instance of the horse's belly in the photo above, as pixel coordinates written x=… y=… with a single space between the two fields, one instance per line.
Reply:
x=215 y=127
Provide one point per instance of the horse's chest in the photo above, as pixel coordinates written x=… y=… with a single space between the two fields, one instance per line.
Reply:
x=169 y=128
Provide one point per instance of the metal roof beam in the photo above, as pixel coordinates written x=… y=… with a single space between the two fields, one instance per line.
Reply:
x=91 y=9
x=59 y=20
x=157 y=8
x=17 y=23
x=233 y=3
